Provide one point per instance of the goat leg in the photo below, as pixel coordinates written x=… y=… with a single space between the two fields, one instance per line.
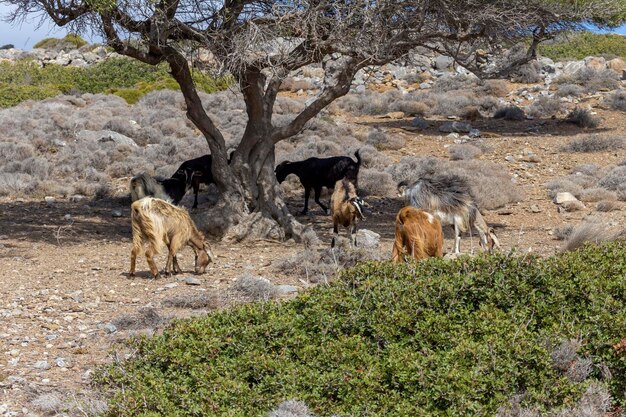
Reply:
x=177 y=269
x=353 y=234
x=457 y=238
x=153 y=268
x=196 y=188
x=133 y=262
x=307 y=194
x=318 y=191
x=335 y=235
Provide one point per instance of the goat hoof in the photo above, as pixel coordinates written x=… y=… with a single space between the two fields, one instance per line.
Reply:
x=131 y=275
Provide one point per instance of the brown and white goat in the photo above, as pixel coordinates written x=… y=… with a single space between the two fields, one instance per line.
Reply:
x=346 y=208
x=156 y=223
x=419 y=232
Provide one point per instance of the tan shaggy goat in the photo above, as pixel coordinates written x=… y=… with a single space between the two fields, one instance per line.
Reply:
x=346 y=208
x=419 y=232
x=156 y=223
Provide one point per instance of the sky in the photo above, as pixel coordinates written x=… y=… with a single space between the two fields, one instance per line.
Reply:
x=25 y=35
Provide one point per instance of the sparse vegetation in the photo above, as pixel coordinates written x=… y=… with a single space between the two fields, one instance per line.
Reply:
x=24 y=80
x=396 y=360
x=70 y=41
x=617 y=100
x=579 y=45
x=510 y=113
x=465 y=151
x=594 y=143
x=583 y=118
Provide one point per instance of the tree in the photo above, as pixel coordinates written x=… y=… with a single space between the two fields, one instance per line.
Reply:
x=261 y=41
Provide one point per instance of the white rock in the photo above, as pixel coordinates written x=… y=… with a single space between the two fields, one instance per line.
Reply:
x=564 y=197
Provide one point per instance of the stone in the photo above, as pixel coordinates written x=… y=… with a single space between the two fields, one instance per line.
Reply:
x=193 y=281
x=171 y=285
x=573 y=67
x=425 y=85
x=103 y=136
x=50 y=200
x=285 y=289
x=442 y=62
x=474 y=133
x=564 y=197
x=43 y=365
x=458 y=127
x=535 y=208
x=595 y=63
x=367 y=239
x=60 y=362
x=110 y=328
x=617 y=64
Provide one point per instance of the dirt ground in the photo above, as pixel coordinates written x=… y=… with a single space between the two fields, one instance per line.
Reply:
x=63 y=265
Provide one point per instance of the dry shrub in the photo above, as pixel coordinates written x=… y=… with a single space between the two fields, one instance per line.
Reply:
x=497 y=88
x=510 y=113
x=471 y=113
x=257 y=288
x=594 y=143
x=410 y=107
x=563 y=232
x=372 y=159
x=146 y=318
x=545 y=107
x=199 y=301
x=309 y=238
x=595 y=402
x=449 y=83
x=596 y=194
x=615 y=180
x=291 y=408
x=616 y=100
x=464 y=151
x=562 y=185
x=593 y=170
x=569 y=90
x=377 y=183
x=589 y=231
x=528 y=73
x=380 y=140
x=452 y=103
x=608 y=205
x=583 y=118
x=321 y=266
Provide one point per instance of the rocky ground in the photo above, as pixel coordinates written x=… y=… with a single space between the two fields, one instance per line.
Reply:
x=66 y=299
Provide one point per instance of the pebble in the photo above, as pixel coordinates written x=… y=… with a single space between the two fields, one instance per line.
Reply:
x=44 y=365
x=116 y=213
x=193 y=281
x=110 y=328
x=171 y=285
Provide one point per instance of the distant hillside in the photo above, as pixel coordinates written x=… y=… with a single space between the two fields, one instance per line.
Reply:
x=584 y=44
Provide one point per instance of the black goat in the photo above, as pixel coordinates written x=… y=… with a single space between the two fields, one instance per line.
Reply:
x=171 y=190
x=315 y=173
x=199 y=170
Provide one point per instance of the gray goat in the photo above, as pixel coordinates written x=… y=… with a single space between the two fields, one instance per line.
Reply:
x=448 y=197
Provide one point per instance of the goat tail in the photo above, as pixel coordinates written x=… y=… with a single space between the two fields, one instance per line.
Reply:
x=146 y=227
x=358 y=159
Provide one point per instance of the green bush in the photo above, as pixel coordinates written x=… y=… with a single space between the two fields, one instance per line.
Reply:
x=583 y=44
x=435 y=338
x=70 y=40
x=11 y=95
x=125 y=77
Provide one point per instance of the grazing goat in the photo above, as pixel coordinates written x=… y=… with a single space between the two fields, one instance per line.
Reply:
x=448 y=197
x=419 y=232
x=346 y=208
x=315 y=173
x=156 y=223
x=171 y=190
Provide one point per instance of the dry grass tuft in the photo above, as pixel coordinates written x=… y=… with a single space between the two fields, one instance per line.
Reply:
x=594 y=143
